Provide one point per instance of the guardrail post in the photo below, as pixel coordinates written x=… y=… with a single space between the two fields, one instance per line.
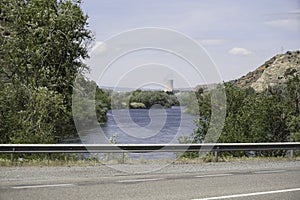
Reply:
x=216 y=154
x=292 y=153
x=12 y=155
x=49 y=157
x=123 y=158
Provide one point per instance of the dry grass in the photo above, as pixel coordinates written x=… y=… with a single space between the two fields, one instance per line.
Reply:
x=118 y=160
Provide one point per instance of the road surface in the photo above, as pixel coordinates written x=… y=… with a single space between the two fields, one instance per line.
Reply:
x=268 y=182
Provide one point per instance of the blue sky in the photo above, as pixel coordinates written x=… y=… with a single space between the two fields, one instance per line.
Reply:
x=238 y=35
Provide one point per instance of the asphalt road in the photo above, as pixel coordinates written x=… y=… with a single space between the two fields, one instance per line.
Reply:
x=280 y=183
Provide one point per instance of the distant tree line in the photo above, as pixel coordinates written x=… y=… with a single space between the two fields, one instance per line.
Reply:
x=147 y=99
x=142 y=99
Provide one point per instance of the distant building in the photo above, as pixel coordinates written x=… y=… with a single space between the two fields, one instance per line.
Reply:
x=169 y=86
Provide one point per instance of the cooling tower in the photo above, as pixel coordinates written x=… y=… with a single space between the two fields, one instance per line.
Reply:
x=169 y=85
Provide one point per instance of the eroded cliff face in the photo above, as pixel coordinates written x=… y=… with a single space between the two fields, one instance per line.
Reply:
x=272 y=72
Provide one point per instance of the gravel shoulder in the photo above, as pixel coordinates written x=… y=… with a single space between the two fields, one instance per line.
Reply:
x=16 y=174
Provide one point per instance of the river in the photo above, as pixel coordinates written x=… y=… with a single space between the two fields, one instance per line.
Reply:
x=143 y=126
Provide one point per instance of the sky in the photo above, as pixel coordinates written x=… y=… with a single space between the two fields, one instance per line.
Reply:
x=236 y=35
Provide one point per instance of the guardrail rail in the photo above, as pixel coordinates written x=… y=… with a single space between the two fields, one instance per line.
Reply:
x=144 y=148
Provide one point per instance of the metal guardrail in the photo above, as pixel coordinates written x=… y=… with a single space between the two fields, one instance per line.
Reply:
x=143 y=148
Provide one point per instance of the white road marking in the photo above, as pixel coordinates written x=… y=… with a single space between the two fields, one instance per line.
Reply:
x=139 y=180
x=213 y=175
x=250 y=194
x=41 y=186
x=267 y=172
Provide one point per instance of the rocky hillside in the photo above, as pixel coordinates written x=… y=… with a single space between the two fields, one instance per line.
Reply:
x=272 y=72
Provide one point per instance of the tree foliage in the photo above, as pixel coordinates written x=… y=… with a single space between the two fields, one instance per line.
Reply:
x=88 y=100
x=269 y=116
x=43 y=44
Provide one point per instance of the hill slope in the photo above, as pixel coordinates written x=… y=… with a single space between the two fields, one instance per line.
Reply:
x=272 y=72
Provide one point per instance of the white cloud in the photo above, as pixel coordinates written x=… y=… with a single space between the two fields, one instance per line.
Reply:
x=289 y=24
x=211 y=42
x=294 y=12
x=240 y=51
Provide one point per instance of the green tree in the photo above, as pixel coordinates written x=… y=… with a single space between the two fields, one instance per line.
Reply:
x=293 y=101
x=204 y=101
x=202 y=110
x=43 y=44
x=232 y=127
x=252 y=117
